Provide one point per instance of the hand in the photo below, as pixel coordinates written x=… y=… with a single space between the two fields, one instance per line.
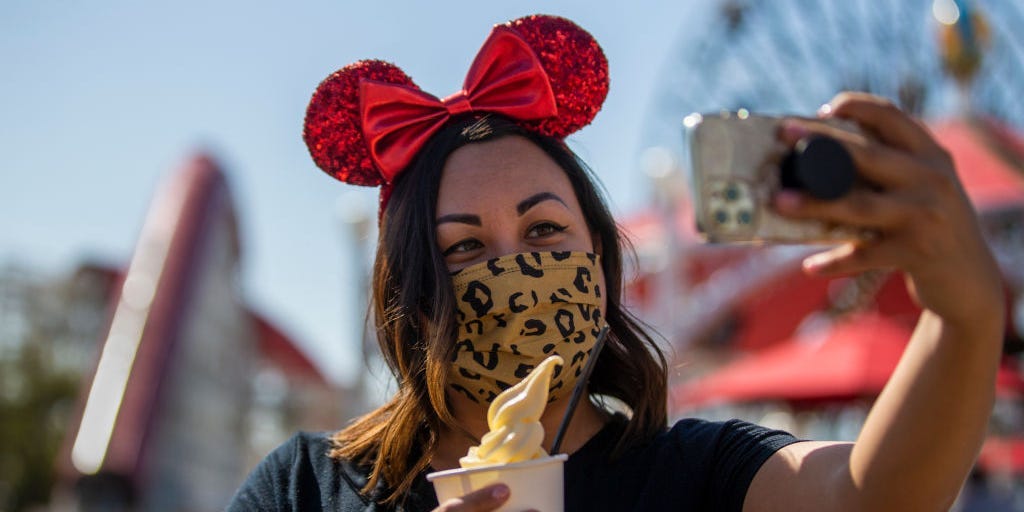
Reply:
x=482 y=500
x=926 y=226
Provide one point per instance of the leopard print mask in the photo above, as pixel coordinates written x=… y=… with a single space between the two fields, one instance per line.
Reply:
x=515 y=311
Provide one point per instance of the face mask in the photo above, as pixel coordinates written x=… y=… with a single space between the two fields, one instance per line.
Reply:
x=515 y=311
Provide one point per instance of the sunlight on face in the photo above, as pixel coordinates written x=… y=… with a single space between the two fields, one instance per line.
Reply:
x=506 y=196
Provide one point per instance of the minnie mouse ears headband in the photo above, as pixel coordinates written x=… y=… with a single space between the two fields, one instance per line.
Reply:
x=367 y=121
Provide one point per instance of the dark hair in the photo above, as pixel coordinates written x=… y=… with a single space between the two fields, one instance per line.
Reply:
x=414 y=313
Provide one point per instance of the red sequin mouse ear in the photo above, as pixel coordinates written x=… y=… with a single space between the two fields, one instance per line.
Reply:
x=333 y=128
x=576 y=67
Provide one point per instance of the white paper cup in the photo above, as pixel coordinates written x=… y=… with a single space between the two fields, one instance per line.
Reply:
x=534 y=484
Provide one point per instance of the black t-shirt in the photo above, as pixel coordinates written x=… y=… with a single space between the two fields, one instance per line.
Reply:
x=695 y=465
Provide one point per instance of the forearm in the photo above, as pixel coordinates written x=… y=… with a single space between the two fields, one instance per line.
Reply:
x=923 y=433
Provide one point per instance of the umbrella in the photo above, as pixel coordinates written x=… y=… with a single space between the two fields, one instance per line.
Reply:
x=843 y=361
x=849 y=359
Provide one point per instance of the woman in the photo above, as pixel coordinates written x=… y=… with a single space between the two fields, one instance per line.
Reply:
x=480 y=186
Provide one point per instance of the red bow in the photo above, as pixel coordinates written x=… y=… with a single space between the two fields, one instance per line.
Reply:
x=506 y=78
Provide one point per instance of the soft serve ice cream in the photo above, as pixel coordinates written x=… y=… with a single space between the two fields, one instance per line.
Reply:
x=511 y=452
x=514 y=421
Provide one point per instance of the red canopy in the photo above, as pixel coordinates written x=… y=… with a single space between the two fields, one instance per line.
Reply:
x=843 y=361
x=850 y=359
x=1002 y=455
x=983 y=152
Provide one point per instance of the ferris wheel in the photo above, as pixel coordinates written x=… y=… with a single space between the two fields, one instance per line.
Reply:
x=935 y=58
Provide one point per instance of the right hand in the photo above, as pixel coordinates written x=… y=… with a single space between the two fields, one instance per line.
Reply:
x=482 y=500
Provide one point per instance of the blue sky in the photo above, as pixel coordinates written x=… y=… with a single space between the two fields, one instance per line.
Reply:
x=100 y=101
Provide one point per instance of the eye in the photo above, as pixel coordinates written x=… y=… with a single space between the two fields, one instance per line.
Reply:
x=466 y=245
x=542 y=229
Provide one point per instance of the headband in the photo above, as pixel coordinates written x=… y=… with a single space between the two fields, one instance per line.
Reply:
x=367 y=121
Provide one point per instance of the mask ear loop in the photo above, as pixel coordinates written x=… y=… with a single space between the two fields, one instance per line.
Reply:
x=577 y=392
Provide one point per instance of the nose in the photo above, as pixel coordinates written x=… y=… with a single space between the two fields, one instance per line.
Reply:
x=506 y=245
x=506 y=239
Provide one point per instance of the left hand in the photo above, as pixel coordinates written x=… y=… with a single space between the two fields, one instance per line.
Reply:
x=925 y=222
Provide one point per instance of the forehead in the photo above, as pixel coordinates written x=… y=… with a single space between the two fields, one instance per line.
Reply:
x=498 y=172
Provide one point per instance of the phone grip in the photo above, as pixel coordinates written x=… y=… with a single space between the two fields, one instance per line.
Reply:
x=820 y=167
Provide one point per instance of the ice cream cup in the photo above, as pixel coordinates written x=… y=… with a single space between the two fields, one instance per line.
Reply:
x=534 y=484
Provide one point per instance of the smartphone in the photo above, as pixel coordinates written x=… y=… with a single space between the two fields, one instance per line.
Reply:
x=738 y=163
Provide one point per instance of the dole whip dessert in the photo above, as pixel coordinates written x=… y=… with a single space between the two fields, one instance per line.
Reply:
x=514 y=421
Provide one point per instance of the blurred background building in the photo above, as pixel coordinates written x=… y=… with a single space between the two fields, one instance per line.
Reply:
x=152 y=387
x=155 y=384
x=751 y=335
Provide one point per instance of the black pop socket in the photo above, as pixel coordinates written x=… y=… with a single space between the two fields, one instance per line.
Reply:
x=820 y=167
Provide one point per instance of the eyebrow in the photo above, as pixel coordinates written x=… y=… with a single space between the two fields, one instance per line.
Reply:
x=464 y=218
x=532 y=201
x=521 y=208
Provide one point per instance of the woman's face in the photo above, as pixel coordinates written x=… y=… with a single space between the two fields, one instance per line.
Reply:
x=505 y=196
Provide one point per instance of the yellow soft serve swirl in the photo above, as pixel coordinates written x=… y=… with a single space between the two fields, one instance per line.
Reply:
x=514 y=421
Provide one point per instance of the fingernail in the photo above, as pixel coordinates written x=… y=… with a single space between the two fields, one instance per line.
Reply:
x=825 y=110
x=815 y=262
x=787 y=200
x=793 y=130
x=500 y=492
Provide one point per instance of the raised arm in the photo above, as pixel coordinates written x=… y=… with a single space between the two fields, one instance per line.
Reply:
x=925 y=429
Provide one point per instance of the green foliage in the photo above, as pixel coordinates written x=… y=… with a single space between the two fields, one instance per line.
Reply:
x=35 y=402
